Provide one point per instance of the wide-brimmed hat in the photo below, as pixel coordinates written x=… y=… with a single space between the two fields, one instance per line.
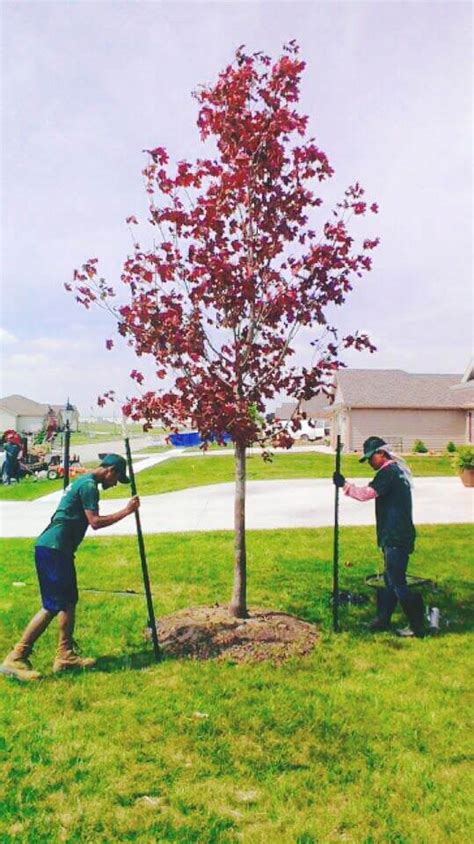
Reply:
x=119 y=464
x=371 y=445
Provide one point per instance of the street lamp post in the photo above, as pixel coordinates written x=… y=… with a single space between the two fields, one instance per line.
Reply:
x=68 y=414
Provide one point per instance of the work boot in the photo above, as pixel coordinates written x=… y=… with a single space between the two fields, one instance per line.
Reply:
x=68 y=659
x=379 y=625
x=414 y=610
x=17 y=664
x=386 y=603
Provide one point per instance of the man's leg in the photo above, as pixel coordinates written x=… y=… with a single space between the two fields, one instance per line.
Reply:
x=66 y=622
x=386 y=599
x=386 y=603
x=67 y=658
x=17 y=663
x=396 y=562
x=36 y=627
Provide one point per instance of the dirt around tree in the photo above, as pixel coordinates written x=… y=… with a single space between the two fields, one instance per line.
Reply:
x=212 y=633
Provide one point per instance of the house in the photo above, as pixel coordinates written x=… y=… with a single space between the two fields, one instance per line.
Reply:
x=316 y=409
x=22 y=414
x=28 y=417
x=464 y=392
x=58 y=412
x=402 y=407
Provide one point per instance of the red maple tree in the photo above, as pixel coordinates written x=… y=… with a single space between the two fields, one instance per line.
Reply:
x=241 y=265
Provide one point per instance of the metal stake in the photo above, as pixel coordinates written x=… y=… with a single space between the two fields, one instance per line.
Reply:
x=141 y=547
x=335 y=570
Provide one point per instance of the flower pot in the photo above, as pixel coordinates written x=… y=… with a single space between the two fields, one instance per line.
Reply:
x=467 y=477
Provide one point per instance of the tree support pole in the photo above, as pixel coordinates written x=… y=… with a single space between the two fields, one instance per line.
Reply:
x=335 y=568
x=141 y=548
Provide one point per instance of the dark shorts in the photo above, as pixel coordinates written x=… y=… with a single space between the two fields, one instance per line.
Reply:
x=57 y=579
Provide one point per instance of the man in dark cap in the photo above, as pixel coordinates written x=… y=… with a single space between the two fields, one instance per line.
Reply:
x=54 y=557
x=391 y=489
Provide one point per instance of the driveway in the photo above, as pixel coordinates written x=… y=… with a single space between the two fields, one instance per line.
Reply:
x=270 y=504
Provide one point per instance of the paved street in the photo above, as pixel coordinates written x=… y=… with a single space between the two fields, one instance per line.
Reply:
x=270 y=504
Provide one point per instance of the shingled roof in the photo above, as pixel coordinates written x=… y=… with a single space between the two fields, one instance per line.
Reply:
x=396 y=388
x=464 y=394
x=317 y=406
x=21 y=406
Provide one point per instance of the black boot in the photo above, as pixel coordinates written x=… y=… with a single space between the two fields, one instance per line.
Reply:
x=414 y=610
x=386 y=603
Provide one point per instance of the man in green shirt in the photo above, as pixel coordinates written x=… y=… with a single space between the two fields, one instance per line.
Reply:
x=54 y=557
x=391 y=489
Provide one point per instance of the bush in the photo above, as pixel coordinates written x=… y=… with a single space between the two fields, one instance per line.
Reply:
x=450 y=448
x=465 y=457
x=419 y=447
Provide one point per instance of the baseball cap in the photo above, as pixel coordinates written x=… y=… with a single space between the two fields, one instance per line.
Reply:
x=371 y=445
x=119 y=464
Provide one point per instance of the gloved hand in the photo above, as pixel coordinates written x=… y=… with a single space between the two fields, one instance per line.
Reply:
x=338 y=479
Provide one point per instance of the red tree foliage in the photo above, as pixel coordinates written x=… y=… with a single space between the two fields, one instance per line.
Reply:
x=241 y=263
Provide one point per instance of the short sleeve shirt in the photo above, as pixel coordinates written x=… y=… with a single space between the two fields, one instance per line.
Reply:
x=69 y=523
x=393 y=508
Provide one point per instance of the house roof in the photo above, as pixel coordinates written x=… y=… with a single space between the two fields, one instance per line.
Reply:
x=285 y=410
x=21 y=406
x=397 y=388
x=317 y=406
x=464 y=394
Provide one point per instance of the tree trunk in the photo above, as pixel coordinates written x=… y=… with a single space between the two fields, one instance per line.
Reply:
x=238 y=605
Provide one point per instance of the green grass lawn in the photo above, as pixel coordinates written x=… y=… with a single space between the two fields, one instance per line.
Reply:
x=364 y=741
x=92 y=432
x=186 y=472
x=201 y=470
x=28 y=490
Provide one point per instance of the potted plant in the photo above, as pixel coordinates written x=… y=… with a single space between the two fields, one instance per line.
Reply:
x=465 y=463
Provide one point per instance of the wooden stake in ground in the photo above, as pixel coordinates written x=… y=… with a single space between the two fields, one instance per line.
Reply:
x=141 y=547
x=335 y=568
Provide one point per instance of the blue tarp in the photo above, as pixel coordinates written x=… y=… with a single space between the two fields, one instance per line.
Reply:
x=192 y=439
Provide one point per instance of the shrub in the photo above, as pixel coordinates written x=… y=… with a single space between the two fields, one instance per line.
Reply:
x=451 y=447
x=465 y=457
x=419 y=447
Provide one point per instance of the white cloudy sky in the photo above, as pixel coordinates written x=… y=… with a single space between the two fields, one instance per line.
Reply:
x=88 y=85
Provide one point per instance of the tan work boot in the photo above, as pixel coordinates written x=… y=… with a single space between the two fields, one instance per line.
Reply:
x=68 y=659
x=18 y=665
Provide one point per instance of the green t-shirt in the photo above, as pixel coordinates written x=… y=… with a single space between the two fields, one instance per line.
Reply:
x=68 y=525
x=393 y=508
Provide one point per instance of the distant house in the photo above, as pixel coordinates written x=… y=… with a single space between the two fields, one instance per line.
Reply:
x=316 y=408
x=464 y=394
x=28 y=417
x=22 y=414
x=58 y=411
x=402 y=407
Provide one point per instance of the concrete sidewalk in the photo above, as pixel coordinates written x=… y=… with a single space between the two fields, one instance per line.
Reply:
x=270 y=504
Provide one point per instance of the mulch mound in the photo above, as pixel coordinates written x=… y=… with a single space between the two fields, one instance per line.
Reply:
x=212 y=633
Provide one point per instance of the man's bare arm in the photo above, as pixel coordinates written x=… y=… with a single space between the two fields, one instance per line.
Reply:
x=97 y=522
